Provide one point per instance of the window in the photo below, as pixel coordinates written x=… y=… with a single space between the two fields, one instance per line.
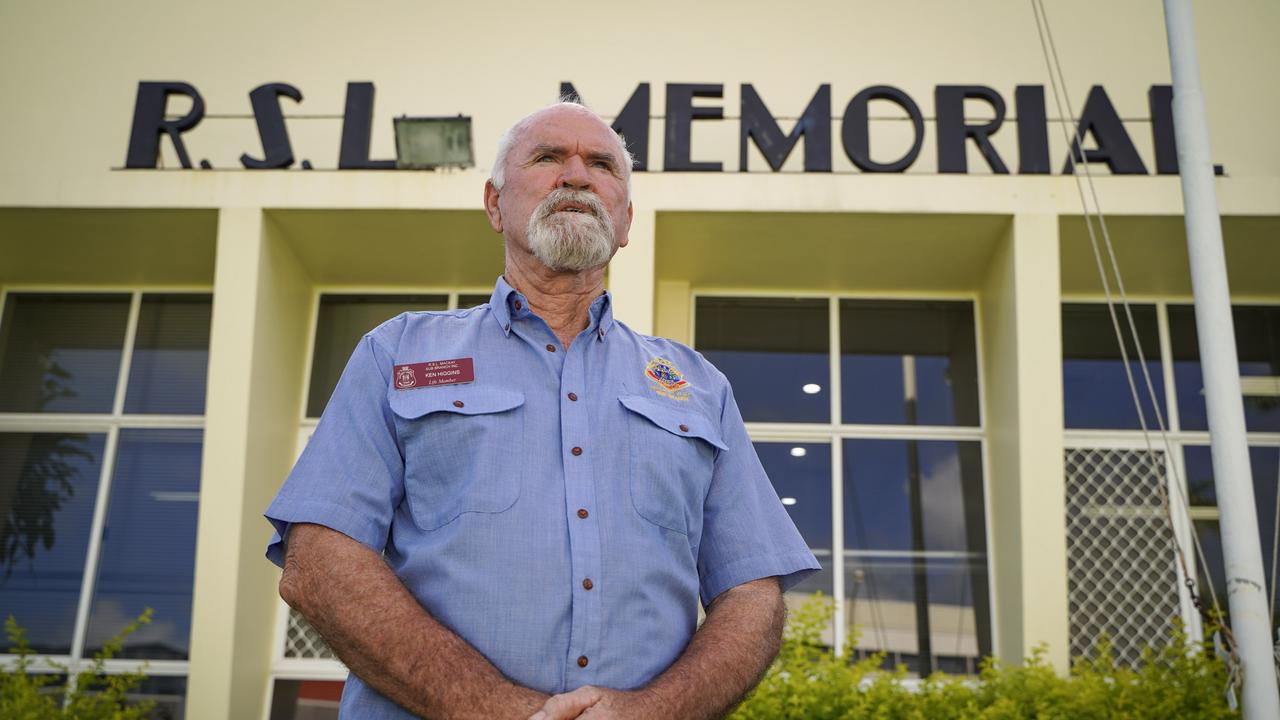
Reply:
x=1118 y=533
x=1095 y=389
x=101 y=404
x=1265 y=464
x=897 y=463
x=775 y=351
x=908 y=363
x=1257 y=331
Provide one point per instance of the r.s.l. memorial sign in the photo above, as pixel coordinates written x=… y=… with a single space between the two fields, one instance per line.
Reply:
x=1101 y=136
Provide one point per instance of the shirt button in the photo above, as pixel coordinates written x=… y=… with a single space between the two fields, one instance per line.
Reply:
x=518 y=305
x=576 y=451
x=587 y=584
x=458 y=403
x=551 y=348
x=573 y=397
x=582 y=661
x=506 y=328
x=582 y=513
x=684 y=428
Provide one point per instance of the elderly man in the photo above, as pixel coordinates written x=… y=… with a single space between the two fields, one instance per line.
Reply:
x=512 y=510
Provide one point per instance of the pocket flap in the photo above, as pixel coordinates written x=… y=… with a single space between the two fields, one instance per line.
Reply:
x=680 y=421
x=457 y=399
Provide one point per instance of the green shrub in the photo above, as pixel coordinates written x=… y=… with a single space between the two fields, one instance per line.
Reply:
x=91 y=695
x=809 y=682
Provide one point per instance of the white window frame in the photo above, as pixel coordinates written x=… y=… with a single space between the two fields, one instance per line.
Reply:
x=1124 y=439
x=109 y=424
x=836 y=431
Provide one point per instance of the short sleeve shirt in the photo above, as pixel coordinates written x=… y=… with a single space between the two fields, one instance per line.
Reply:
x=563 y=511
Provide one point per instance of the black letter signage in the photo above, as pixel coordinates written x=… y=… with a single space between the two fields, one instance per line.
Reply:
x=278 y=153
x=857 y=135
x=1114 y=146
x=679 y=126
x=1033 y=130
x=357 y=124
x=149 y=123
x=953 y=130
x=758 y=125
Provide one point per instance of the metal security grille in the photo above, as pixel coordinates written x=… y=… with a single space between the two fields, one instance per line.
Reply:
x=302 y=641
x=1121 y=564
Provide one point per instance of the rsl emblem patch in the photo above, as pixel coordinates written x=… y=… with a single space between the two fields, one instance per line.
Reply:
x=666 y=380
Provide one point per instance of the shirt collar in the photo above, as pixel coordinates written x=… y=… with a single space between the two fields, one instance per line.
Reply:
x=507 y=304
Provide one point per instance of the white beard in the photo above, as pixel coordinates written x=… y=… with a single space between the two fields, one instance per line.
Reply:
x=570 y=241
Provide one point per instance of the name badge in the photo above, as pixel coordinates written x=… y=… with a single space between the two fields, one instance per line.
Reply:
x=436 y=372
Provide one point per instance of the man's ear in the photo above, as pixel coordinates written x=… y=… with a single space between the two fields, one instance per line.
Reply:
x=631 y=211
x=491 y=206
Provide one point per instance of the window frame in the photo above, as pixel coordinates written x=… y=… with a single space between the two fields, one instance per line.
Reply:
x=836 y=431
x=109 y=424
x=1178 y=439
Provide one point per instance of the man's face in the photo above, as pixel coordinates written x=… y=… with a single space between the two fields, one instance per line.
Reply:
x=564 y=197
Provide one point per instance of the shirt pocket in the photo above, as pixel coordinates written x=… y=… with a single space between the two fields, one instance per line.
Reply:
x=673 y=453
x=462 y=450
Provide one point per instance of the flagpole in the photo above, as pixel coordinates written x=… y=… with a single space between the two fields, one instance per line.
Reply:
x=1237 y=511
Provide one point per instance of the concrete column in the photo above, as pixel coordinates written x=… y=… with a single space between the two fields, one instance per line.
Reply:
x=631 y=275
x=256 y=354
x=1022 y=348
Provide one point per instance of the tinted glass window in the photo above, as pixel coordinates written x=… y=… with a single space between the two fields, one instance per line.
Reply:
x=48 y=483
x=149 y=544
x=1095 y=390
x=61 y=353
x=170 y=362
x=1257 y=332
x=775 y=352
x=342 y=321
x=916 y=558
x=908 y=363
x=1265 y=464
x=801 y=475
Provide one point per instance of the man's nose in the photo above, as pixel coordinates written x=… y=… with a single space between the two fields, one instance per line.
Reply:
x=573 y=174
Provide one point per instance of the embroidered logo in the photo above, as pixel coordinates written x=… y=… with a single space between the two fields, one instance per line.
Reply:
x=405 y=378
x=666 y=380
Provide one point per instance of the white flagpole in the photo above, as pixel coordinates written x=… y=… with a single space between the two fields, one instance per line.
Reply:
x=1238 y=519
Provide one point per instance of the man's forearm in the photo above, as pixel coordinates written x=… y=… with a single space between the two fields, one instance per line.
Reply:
x=385 y=637
x=728 y=654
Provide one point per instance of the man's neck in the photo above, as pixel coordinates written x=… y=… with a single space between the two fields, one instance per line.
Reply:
x=562 y=299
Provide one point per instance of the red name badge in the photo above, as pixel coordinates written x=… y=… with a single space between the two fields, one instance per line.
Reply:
x=436 y=372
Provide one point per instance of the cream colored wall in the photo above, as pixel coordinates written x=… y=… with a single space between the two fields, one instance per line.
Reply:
x=69 y=74
x=71 y=71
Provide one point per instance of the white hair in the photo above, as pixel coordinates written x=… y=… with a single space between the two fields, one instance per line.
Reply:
x=509 y=138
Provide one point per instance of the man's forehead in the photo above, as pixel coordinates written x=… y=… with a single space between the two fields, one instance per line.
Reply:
x=569 y=129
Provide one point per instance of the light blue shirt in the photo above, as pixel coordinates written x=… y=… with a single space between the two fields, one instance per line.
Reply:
x=622 y=461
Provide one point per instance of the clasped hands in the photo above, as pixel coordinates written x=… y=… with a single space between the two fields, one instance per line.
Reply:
x=596 y=703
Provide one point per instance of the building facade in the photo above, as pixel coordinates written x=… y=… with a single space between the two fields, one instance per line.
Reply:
x=863 y=213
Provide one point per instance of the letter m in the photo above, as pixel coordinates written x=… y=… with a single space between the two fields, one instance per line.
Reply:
x=758 y=126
